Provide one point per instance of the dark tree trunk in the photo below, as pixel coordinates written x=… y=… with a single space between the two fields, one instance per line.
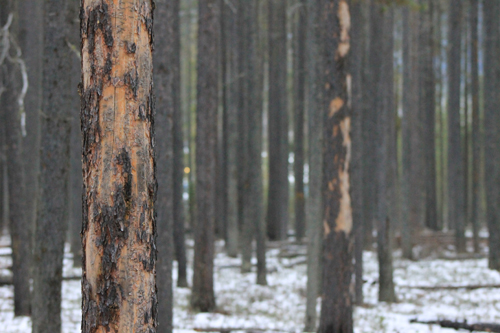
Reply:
x=202 y=297
x=166 y=62
x=386 y=128
x=358 y=45
x=277 y=206
x=476 y=122
x=336 y=309
x=55 y=126
x=119 y=227
x=456 y=195
x=299 y=112
x=230 y=126
x=491 y=16
x=3 y=168
x=314 y=205
x=20 y=230
x=30 y=41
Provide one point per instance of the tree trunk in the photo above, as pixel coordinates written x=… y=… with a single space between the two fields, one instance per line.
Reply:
x=202 y=297
x=476 y=122
x=456 y=195
x=491 y=16
x=119 y=229
x=20 y=230
x=166 y=62
x=336 y=309
x=299 y=110
x=277 y=206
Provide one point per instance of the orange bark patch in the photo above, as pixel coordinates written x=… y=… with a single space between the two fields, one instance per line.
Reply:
x=344 y=218
x=345 y=26
x=335 y=105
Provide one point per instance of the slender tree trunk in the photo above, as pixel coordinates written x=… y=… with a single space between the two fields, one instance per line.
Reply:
x=491 y=16
x=20 y=230
x=119 y=228
x=299 y=113
x=3 y=168
x=278 y=191
x=476 y=121
x=231 y=125
x=456 y=195
x=336 y=309
x=202 y=297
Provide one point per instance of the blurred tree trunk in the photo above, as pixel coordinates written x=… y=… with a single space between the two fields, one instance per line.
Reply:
x=166 y=62
x=119 y=229
x=55 y=126
x=3 y=169
x=314 y=205
x=278 y=191
x=476 y=122
x=299 y=120
x=456 y=195
x=202 y=297
x=385 y=152
x=491 y=14
x=20 y=229
x=336 y=308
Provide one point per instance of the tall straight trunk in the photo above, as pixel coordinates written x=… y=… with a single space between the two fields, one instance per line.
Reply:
x=336 y=308
x=30 y=41
x=119 y=228
x=2 y=168
x=20 y=230
x=491 y=14
x=428 y=107
x=456 y=195
x=230 y=126
x=299 y=113
x=202 y=297
x=277 y=206
x=166 y=62
x=314 y=205
x=386 y=129
x=51 y=223
x=476 y=121
x=358 y=45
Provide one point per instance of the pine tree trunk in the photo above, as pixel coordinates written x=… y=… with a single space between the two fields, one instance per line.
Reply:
x=119 y=228
x=491 y=14
x=336 y=309
x=20 y=230
x=456 y=195
x=277 y=206
x=202 y=297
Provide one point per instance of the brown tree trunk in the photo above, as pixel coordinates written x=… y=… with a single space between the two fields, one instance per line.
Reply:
x=119 y=227
x=202 y=297
x=336 y=308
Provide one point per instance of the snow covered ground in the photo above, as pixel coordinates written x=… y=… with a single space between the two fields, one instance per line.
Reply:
x=281 y=304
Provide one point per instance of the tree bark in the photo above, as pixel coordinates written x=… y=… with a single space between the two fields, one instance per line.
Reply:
x=336 y=309
x=277 y=206
x=20 y=230
x=491 y=14
x=456 y=195
x=202 y=297
x=119 y=228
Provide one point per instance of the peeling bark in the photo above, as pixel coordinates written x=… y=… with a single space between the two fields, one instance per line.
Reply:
x=119 y=227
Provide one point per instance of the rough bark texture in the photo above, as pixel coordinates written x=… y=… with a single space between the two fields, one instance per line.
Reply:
x=385 y=141
x=336 y=309
x=299 y=113
x=20 y=230
x=277 y=206
x=314 y=205
x=230 y=126
x=456 y=195
x=167 y=88
x=119 y=227
x=51 y=223
x=491 y=16
x=476 y=122
x=202 y=297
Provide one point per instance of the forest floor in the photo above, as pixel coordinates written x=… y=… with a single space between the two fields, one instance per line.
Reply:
x=281 y=304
